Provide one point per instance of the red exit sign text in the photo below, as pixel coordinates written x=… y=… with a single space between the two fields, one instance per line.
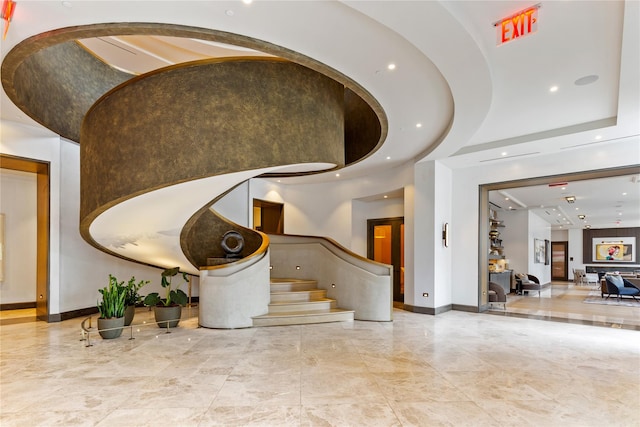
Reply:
x=519 y=25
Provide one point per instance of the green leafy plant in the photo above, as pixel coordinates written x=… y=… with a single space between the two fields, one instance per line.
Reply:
x=133 y=296
x=172 y=296
x=113 y=298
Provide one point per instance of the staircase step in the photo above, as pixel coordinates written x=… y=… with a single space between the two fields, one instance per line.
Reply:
x=291 y=285
x=298 y=296
x=302 y=306
x=304 y=317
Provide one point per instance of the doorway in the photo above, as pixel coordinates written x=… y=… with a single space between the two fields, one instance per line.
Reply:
x=268 y=217
x=385 y=244
x=41 y=169
x=559 y=261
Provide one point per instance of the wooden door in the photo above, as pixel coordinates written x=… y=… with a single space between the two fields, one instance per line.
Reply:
x=385 y=244
x=559 y=258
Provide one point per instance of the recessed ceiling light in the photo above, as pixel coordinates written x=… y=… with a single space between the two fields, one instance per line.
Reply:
x=391 y=66
x=624 y=194
x=506 y=198
x=553 y=89
x=385 y=196
x=337 y=175
x=563 y=188
x=247 y=1
x=229 y=12
x=597 y=137
x=388 y=157
x=577 y=209
x=418 y=125
x=504 y=153
x=586 y=80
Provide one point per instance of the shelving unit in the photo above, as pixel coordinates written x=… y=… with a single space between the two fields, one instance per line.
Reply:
x=497 y=264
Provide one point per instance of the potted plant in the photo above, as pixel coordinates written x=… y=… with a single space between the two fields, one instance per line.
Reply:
x=132 y=299
x=168 y=308
x=111 y=309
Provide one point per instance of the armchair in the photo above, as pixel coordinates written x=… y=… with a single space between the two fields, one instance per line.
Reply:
x=529 y=282
x=497 y=295
x=616 y=285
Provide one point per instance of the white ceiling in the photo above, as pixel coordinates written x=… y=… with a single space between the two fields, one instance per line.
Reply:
x=476 y=102
x=605 y=202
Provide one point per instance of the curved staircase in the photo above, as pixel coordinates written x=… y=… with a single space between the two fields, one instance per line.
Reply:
x=299 y=302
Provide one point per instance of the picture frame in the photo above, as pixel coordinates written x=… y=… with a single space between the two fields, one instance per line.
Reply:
x=614 y=249
x=539 y=254
x=547 y=252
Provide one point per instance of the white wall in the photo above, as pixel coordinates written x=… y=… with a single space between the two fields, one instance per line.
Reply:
x=83 y=268
x=541 y=230
x=76 y=269
x=514 y=236
x=235 y=206
x=18 y=202
x=559 y=235
x=363 y=211
x=575 y=250
x=327 y=209
x=465 y=200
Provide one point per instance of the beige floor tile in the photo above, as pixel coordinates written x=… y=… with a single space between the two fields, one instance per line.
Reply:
x=454 y=369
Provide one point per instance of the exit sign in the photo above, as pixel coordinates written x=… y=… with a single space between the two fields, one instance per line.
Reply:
x=517 y=26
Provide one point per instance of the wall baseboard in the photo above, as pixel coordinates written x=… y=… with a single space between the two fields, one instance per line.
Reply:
x=429 y=310
x=17 y=305
x=84 y=312
x=467 y=308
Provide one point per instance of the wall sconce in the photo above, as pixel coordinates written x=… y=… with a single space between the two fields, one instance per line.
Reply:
x=445 y=234
x=8 y=8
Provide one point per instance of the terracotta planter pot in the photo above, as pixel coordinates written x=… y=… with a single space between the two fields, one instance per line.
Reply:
x=129 y=313
x=115 y=322
x=172 y=314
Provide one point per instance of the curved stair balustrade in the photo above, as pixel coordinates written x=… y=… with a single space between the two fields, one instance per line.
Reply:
x=201 y=238
x=357 y=283
x=232 y=294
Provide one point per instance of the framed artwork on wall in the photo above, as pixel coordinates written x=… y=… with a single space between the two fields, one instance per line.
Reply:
x=539 y=255
x=547 y=252
x=614 y=249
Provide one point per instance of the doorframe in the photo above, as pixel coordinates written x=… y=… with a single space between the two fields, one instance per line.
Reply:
x=483 y=214
x=262 y=204
x=41 y=169
x=395 y=242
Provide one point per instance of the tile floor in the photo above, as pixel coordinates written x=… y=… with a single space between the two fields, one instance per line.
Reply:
x=564 y=302
x=454 y=369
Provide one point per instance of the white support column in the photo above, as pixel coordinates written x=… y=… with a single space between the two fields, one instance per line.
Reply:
x=432 y=260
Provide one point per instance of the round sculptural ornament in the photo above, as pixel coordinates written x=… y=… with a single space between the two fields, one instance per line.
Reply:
x=228 y=240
